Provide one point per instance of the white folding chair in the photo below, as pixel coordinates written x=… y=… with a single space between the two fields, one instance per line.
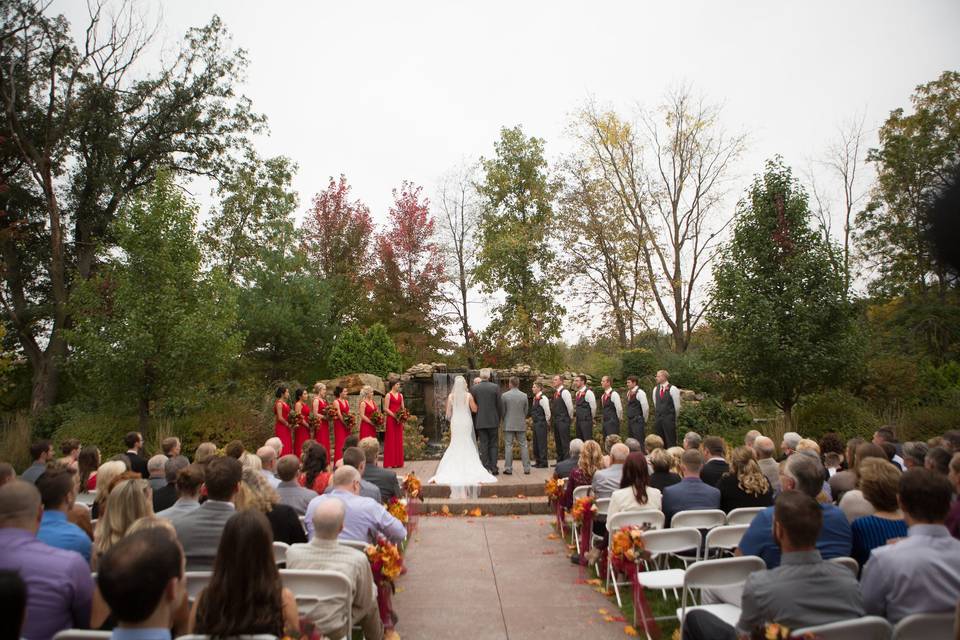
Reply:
x=666 y=543
x=724 y=539
x=580 y=492
x=259 y=636
x=699 y=518
x=280 y=552
x=310 y=588
x=197 y=581
x=81 y=634
x=725 y=572
x=866 y=628
x=87 y=498
x=925 y=626
x=652 y=518
x=356 y=544
x=849 y=563
x=743 y=515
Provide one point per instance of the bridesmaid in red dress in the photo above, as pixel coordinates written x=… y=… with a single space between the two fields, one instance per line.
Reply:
x=340 y=428
x=393 y=438
x=301 y=433
x=281 y=428
x=319 y=408
x=368 y=408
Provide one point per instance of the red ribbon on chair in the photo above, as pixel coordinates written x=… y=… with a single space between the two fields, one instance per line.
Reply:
x=559 y=513
x=586 y=533
x=384 y=591
x=640 y=603
x=412 y=513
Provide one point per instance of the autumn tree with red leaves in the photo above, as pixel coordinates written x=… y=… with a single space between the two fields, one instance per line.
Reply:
x=337 y=234
x=407 y=286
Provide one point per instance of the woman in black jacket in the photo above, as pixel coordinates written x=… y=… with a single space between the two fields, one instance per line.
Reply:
x=744 y=485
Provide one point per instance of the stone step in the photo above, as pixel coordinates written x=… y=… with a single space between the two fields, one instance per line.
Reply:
x=537 y=505
x=529 y=489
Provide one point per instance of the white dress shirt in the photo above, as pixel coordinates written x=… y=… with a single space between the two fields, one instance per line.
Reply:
x=545 y=405
x=614 y=397
x=642 y=397
x=674 y=393
x=591 y=400
x=567 y=400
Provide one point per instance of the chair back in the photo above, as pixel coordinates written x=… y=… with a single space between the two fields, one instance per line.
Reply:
x=672 y=540
x=258 y=636
x=866 y=628
x=197 y=581
x=81 y=634
x=743 y=515
x=725 y=572
x=725 y=538
x=356 y=544
x=311 y=588
x=87 y=498
x=582 y=491
x=699 y=518
x=924 y=626
x=847 y=562
x=603 y=505
x=650 y=517
x=280 y=552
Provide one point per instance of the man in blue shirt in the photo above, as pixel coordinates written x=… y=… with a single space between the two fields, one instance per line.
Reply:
x=802 y=472
x=58 y=490
x=141 y=578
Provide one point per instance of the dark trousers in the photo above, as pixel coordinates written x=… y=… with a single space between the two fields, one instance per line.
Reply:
x=635 y=429
x=561 y=440
x=666 y=428
x=489 y=445
x=585 y=429
x=540 y=442
x=703 y=625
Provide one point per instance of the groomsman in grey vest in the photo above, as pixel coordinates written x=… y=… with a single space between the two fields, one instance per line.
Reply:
x=561 y=407
x=637 y=409
x=487 y=425
x=515 y=426
x=540 y=416
x=666 y=406
x=610 y=408
x=585 y=405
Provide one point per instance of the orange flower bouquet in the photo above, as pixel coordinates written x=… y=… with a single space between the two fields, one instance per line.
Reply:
x=314 y=425
x=403 y=415
x=581 y=506
x=553 y=488
x=386 y=563
x=627 y=545
x=330 y=412
x=350 y=421
x=378 y=420
x=398 y=509
x=411 y=486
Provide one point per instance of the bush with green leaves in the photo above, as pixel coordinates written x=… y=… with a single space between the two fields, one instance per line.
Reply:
x=835 y=410
x=923 y=423
x=713 y=417
x=371 y=352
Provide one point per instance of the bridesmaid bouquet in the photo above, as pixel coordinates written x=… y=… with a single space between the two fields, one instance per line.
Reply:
x=330 y=412
x=350 y=420
x=403 y=415
x=314 y=423
x=296 y=420
x=377 y=419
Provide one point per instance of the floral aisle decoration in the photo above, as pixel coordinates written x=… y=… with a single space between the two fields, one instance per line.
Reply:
x=628 y=552
x=412 y=489
x=386 y=563
x=412 y=486
x=553 y=489
x=397 y=507
x=583 y=511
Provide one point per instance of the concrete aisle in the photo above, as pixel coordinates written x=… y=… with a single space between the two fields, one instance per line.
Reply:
x=496 y=578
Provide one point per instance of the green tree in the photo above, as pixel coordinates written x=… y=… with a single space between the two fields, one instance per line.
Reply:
x=382 y=354
x=371 y=352
x=151 y=325
x=515 y=256
x=779 y=310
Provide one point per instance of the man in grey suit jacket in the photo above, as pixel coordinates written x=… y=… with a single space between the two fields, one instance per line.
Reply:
x=515 y=426
x=385 y=479
x=199 y=530
x=489 y=411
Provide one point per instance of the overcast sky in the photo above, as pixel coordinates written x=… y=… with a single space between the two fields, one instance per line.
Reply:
x=387 y=91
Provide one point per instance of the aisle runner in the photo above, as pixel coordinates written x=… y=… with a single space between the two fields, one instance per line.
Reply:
x=495 y=578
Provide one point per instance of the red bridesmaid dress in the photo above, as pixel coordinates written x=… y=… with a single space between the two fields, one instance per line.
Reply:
x=367 y=430
x=323 y=428
x=340 y=430
x=393 y=438
x=281 y=430
x=302 y=433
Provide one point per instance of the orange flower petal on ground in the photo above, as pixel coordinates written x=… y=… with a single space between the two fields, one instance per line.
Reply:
x=630 y=631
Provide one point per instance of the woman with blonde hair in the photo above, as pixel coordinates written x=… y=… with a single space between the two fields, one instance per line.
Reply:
x=105 y=475
x=256 y=493
x=130 y=500
x=322 y=434
x=744 y=485
x=367 y=409
x=591 y=460
x=663 y=475
x=677 y=454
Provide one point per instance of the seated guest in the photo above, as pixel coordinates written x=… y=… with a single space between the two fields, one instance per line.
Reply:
x=651 y=442
x=141 y=580
x=256 y=493
x=166 y=496
x=750 y=437
x=289 y=490
x=13 y=595
x=692 y=440
x=106 y=474
x=587 y=464
x=804 y=591
x=633 y=444
x=878 y=482
x=316 y=475
x=354 y=457
x=764 y=450
x=662 y=477
x=268 y=465
x=846 y=480
x=130 y=500
x=276 y=444
x=885 y=436
x=206 y=451
x=70 y=450
x=155 y=467
x=938 y=459
x=245 y=595
x=138 y=464
x=351 y=440
x=606 y=481
x=384 y=479
x=914 y=454
x=41 y=453
x=744 y=485
x=87 y=463
x=58 y=489
x=691 y=492
x=677 y=454
x=187 y=484
x=250 y=461
x=832 y=462
x=921 y=573
x=789 y=444
x=324 y=553
x=608 y=443
x=234 y=449
x=953 y=517
x=714 y=465
x=7 y=473
x=170 y=446
x=853 y=504
x=635 y=493
x=803 y=473
x=59 y=586
x=563 y=468
x=365 y=518
x=199 y=529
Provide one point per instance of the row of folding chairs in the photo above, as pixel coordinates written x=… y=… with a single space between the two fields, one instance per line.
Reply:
x=83 y=634
x=280 y=549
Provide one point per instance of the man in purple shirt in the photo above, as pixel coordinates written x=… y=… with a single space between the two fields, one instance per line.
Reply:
x=365 y=518
x=59 y=586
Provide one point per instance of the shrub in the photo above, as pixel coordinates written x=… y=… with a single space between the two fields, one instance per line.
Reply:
x=370 y=352
x=712 y=416
x=923 y=423
x=15 y=440
x=414 y=442
x=639 y=362
x=835 y=410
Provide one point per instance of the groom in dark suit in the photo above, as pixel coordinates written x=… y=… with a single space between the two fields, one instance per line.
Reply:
x=487 y=424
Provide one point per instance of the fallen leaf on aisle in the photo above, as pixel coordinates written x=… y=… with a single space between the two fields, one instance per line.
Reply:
x=476 y=513
x=553 y=536
x=630 y=631
x=602 y=612
x=594 y=581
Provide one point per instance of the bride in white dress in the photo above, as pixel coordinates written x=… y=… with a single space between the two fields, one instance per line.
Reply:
x=460 y=466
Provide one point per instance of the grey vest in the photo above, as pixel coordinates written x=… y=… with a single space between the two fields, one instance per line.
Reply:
x=561 y=419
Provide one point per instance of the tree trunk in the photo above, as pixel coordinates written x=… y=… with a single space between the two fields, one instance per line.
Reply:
x=45 y=382
x=143 y=410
